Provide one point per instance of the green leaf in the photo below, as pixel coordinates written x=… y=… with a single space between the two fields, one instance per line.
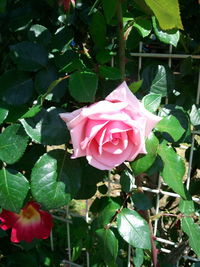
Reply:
x=143 y=26
x=110 y=206
x=127 y=181
x=46 y=78
x=98 y=29
x=55 y=179
x=109 y=8
x=13 y=189
x=174 y=169
x=68 y=62
x=62 y=39
x=193 y=231
x=158 y=79
x=183 y=118
x=152 y=102
x=103 y=56
x=167 y=13
x=110 y=73
x=3 y=4
x=168 y=36
x=29 y=56
x=109 y=245
x=135 y=86
x=76 y=250
x=90 y=177
x=187 y=207
x=46 y=127
x=106 y=207
x=195 y=115
x=134 y=229
x=144 y=163
x=172 y=126
x=3 y=112
x=83 y=86
x=16 y=87
x=141 y=201
x=40 y=34
x=13 y=142
x=34 y=110
x=138 y=257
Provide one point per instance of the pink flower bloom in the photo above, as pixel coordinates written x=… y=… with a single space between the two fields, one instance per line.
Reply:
x=66 y=4
x=110 y=131
x=30 y=223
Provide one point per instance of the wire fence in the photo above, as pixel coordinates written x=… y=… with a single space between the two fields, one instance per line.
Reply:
x=158 y=191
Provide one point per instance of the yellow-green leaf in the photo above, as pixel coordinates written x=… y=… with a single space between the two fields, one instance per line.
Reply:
x=167 y=13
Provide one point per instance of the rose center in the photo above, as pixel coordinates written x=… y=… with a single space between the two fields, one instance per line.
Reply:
x=115 y=141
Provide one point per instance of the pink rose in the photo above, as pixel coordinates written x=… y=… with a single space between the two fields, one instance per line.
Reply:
x=110 y=131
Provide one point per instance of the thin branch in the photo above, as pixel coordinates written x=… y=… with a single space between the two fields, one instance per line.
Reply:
x=121 y=40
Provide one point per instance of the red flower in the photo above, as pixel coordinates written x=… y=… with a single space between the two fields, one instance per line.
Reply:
x=30 y=223
x=66 y=4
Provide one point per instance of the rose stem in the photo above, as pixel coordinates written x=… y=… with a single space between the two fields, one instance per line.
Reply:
x=121 y=40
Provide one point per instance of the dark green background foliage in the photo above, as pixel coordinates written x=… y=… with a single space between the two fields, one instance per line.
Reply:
x=54 y=61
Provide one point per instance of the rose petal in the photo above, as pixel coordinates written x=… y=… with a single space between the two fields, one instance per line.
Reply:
x=103 y=107
x=106 y=159
x=123 y=93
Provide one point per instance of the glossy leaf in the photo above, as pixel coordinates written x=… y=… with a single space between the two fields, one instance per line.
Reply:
x=141 y=201
x=193 y=231
x=68 y=62
x=171 y=126
x=195 y=115
x=29 y=56
x=55 y=179
x=109 y=8
x=174 y=169
x=46 y=78
x=13 y=142
x=169 y=36
x=16 y=87
x=46 y=127
x=110 y=73
x=13 y=189
x=3 y=112
x=138 y=257
x=143 y=163
x=83 y=86
x=34 y=110
x=187 y=206
x=62 y=39
x=106 y=209
x=98 y=29
x=152 y=102
x=109 y=245
x=40 y=34
x=158 y=79
x=167 y=13
x=134 y=229
x=127 y=181
x=135 y=86
x=103 y=56
x=89 y=179
x=143 y=26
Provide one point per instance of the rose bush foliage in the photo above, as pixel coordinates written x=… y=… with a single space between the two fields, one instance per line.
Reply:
x=70 y=60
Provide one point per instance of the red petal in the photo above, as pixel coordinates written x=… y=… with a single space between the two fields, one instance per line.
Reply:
x=8 y=219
